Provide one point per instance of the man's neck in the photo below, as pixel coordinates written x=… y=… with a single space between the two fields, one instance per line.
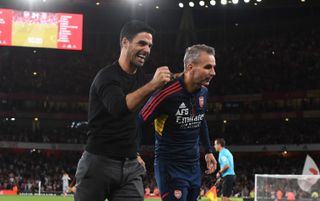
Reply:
x=190 y=86
x=125 y=65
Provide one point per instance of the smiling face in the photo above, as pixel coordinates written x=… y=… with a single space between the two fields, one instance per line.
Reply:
x=138 y=49
x=204 y=70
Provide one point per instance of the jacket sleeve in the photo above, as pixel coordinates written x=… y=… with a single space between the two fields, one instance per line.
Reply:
x=147 y=114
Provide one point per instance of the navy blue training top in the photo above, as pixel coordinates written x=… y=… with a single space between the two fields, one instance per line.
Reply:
x=179 y=122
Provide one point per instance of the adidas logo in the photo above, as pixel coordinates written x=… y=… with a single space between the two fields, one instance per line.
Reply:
x=182 y=105
x=183 y=110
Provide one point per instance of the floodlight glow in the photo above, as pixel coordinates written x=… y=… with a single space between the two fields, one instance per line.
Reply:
x=213 y=2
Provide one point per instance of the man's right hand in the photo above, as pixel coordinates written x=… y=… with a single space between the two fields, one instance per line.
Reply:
x=161 y=77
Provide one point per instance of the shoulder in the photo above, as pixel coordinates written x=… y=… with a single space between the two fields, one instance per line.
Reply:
x=170 y=88
x=228 y=152
x=108 y=71
x=224 y=151
x=164 y=94
x=108 y=74
x=173 y=84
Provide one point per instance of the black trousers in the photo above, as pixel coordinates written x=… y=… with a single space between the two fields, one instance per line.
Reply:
x=100 y=177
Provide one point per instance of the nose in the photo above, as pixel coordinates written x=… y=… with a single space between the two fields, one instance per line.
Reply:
x=212 y=71
x=147 y=49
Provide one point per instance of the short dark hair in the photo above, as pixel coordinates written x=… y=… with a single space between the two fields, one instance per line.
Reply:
x=132 y=28
x=221 y=141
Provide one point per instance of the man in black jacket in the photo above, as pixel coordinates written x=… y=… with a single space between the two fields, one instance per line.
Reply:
x=110 y=166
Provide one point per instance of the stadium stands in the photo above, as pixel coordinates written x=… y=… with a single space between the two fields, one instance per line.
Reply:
x=267 y=91
x=25 y=168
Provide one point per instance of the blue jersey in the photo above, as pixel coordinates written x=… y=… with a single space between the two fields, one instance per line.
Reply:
x=226 y=158
x=179 y=122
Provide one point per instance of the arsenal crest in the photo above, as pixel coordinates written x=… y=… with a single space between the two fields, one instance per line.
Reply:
x=177 y=194
x=201 y=101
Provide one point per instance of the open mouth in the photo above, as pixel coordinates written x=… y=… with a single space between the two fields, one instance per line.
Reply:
x=206 y=82
x=142 y=57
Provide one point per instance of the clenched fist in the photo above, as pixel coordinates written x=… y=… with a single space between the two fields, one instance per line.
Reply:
x=161 y=77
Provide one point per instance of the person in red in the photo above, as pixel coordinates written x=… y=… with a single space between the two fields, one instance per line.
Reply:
x=147 y=191
x=156 y=191
x=279 y=195
x=291 y=196
x=15 y=189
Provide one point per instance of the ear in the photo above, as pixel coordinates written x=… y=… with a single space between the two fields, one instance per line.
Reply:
x=124 y=42
x=189 y=67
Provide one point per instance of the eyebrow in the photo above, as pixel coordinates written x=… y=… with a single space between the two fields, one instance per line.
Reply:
x=142 y=42
x=209 y=66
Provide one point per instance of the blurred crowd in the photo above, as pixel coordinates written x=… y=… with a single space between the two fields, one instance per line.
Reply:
x=255 y=132
x=270 y=188
x=286 y=62
x=78 y=105
x=250 y=132
x=270 y=62
x=26 y=168
x=71 y=135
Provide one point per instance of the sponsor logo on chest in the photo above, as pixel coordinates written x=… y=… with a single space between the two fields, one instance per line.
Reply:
x=186 y=119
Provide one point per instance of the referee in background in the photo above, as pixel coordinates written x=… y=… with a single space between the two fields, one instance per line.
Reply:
x=226 y=171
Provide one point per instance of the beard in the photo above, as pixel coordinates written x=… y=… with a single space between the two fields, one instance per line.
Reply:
x=200 y=81
x=137 y=59
x=135 y=64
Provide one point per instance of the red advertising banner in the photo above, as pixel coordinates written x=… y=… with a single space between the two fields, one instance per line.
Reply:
x=5 y=27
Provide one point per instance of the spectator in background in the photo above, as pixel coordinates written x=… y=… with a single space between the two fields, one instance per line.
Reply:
x=65 y=183
x=290 y=196
x=279 y=195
